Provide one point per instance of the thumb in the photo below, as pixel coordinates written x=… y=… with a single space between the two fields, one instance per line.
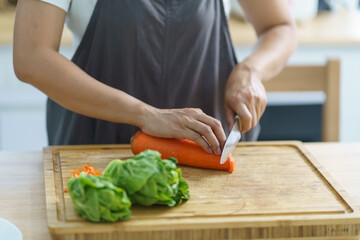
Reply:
x=229 y=117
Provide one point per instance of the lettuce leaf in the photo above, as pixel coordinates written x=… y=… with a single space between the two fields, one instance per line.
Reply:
x=148 y=180
x=95 y=198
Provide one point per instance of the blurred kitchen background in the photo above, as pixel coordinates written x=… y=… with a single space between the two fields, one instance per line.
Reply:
x=327 y=29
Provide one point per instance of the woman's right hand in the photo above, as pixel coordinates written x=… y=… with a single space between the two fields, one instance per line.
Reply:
x=185 y=123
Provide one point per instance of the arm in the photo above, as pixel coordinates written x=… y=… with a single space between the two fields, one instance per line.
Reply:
x=37 y=35
x=276 y=32
x=277 y=40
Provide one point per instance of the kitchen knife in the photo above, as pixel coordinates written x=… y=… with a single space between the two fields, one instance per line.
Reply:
x=232 y=140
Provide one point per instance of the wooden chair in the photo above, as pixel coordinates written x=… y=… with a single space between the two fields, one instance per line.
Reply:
x=325 y=78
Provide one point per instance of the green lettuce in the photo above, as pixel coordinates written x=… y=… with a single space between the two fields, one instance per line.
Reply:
x=95 y=198
x=148 y=180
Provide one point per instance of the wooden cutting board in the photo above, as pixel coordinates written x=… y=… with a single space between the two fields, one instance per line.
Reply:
x=278 y=190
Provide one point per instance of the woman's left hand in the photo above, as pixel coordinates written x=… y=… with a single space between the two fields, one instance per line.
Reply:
x=245 y=96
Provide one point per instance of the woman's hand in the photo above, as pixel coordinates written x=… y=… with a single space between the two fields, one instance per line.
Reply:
x=245 y=96
x=186 y=123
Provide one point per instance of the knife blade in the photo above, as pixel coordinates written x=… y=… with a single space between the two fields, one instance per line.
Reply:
x=232 y=140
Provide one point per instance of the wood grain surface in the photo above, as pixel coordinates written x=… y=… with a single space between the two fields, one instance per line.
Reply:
x=22 y=192
x=278 y=190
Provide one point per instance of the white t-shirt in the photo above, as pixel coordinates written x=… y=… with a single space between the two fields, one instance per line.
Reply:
x=78 y=14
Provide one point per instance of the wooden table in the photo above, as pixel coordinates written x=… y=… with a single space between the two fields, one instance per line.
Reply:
x=22 y=196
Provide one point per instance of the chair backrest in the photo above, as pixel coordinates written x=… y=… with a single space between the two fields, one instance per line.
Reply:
x=325 y=78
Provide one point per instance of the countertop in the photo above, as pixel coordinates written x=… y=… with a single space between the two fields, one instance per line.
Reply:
x=22 y=194
x=328 y=28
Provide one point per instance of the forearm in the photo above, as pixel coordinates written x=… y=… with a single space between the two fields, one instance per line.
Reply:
x=72 y=88
x=272 y=51
x=37 y=35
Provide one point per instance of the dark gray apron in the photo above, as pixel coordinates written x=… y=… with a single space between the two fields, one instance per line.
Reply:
x=167 y=53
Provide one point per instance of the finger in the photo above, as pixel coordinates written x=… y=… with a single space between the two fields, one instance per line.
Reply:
x=263 y=106
x=260 y=109
x=207 y=132
x=263 y=102
x=257 y=109
x=216 y=128
x=252 y=110
x=245 y=116
x=230 y=115
x=258 y=115
x=196 y=137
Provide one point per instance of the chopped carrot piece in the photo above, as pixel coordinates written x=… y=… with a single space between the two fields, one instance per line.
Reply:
x=88 y=169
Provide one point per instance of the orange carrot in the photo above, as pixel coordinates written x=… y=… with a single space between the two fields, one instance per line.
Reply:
x=88 y=169
x=75 y=173
x=185 y=151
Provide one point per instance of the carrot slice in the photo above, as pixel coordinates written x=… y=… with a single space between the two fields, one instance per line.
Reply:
x=75 y=173
x=88 y=169
x=185 y=151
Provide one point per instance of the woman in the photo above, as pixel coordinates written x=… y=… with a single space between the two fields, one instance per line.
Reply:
x=166 y=67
